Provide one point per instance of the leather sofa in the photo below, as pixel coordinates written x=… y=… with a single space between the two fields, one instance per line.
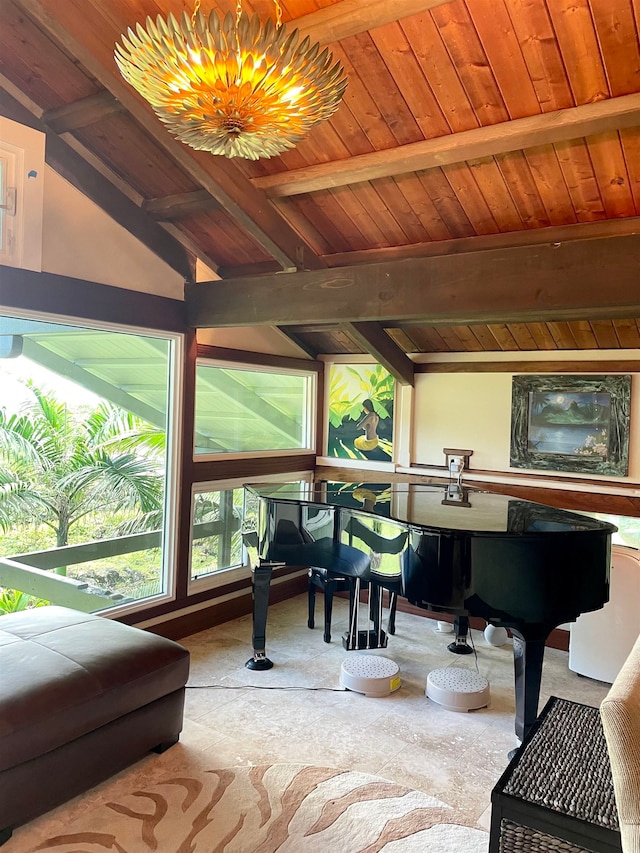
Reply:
x=81 y=698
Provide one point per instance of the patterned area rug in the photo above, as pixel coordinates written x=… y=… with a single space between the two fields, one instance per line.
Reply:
x=289 y=808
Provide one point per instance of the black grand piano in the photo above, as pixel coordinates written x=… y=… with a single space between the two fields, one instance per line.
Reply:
x=446 y=548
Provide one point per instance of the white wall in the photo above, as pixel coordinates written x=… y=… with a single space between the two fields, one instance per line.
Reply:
x=472 y=411
x=80 y=240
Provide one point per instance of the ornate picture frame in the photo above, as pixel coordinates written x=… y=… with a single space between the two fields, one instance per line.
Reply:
x=571 y=423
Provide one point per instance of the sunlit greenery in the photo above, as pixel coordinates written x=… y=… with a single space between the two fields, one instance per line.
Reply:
x=69 y=477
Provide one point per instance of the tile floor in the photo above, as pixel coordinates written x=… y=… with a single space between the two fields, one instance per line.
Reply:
x=298 y=712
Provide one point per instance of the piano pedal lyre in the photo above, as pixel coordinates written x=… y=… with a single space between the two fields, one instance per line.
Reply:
x=357 y=639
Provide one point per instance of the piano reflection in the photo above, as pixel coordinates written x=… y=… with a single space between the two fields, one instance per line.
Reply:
x=467 y=552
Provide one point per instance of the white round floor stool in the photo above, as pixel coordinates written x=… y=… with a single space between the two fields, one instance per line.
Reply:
x=458 y=689
x=370 y=674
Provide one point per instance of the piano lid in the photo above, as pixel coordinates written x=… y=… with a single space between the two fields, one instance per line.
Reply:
x=435 y=506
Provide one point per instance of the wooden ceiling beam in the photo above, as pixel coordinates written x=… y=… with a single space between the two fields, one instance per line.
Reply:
x=575 y=280
x=480 y=243
x=82 y=112
x=68 y=163
x=515 y=135
x=189 y=243
x=351 y=17
x=377 y=342
x=172 y=207
x=83 y=32
x=298 y=341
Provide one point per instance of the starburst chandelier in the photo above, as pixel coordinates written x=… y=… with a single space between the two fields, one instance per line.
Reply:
x=232 y=86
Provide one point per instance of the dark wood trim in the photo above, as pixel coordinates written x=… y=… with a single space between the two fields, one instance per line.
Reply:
x=613 y=366
x=321 y=423
x=67 y=297
x=85 y=178
x=186 y=472
x=252 y=467
x=518 y=284
x=257 y=358
x=183 y=625
x=373 y=338
x=591 y=500
x=557 y=639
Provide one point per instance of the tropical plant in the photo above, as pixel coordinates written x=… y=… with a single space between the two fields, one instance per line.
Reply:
x=56 y=467
x=12 y=600
x=350 y=385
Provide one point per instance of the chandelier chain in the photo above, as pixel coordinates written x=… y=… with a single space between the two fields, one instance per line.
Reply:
x=196 y=7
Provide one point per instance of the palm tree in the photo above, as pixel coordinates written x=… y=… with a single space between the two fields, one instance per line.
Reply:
x=56 y=467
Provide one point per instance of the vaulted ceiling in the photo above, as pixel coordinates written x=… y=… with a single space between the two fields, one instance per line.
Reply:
x=472 y=192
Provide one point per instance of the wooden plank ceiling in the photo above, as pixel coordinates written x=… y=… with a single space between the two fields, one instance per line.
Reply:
x=467 y=126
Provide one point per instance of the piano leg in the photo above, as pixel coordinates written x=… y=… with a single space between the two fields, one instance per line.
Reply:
x=460 y=646
x=528 y=654
x=261 y=582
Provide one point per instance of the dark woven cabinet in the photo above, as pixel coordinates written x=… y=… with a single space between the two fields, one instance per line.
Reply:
x=557 y=792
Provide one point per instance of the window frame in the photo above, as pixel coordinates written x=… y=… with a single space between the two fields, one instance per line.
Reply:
x=175 y=394
x=223 y=576
x=310 y=426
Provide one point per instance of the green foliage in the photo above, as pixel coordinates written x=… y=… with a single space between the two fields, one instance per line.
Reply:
x=12 y=600
x=350 y=385
x=57 y=466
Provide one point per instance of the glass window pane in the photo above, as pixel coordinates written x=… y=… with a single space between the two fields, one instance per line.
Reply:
x=83 y=465
x=216 y=534
x=242 y=410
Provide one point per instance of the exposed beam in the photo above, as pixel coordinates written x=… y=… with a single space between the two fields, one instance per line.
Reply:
x=242 y=270
x=68 y=163
x=178 y=206
x=89 y=36
x=522 y=133
x=350 y=17
x=588 y=279
x=243 y=357
x=460 y=245
x=463 y=245
x=82 y=112
x=298 y=341
x=377 y=342
x=59 y=295
x=189 y=243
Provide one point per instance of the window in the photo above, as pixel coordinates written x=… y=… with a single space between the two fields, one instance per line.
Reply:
x=86 y=444
x=246 y=410
x=216 y=544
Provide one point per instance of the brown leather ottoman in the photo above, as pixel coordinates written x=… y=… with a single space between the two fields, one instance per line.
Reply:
x=81 y=697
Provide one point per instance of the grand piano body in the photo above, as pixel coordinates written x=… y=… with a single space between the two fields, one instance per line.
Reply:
x=448 y=549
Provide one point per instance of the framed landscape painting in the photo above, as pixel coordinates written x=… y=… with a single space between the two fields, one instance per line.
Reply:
x=571 y=423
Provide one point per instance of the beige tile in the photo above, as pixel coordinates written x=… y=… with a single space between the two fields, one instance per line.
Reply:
x=298 y=712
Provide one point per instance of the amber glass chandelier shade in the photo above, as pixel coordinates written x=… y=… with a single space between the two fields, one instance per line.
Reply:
x=234 y=86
